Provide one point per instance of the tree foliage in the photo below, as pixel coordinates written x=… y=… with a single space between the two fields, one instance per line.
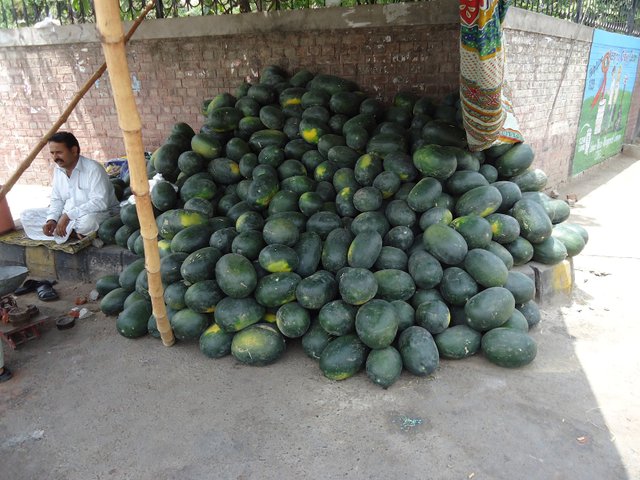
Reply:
x=614 y=15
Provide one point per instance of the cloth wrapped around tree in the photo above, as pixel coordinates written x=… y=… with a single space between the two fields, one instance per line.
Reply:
x=487 y=112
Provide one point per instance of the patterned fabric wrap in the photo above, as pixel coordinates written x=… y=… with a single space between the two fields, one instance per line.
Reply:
x=486 y=109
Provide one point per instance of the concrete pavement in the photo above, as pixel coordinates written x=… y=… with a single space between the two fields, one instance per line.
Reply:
x=87 y=403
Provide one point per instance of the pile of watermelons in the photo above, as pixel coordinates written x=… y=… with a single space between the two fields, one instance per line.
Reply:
x=305 y=209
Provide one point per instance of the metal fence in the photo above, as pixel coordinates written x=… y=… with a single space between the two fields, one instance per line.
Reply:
x=30 y=13
x=621 y=16
x=612 y=15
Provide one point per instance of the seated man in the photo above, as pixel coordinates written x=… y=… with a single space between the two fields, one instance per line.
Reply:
x=82 y=195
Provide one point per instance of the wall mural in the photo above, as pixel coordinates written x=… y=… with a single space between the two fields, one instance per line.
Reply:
x=611 y=75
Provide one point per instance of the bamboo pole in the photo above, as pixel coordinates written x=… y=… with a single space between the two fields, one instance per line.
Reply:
x=112 y=37
x=8 y=185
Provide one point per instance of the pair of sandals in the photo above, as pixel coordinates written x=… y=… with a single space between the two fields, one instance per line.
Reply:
x=44 y=288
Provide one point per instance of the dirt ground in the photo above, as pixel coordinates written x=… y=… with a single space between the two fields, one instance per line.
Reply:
x=87 y=403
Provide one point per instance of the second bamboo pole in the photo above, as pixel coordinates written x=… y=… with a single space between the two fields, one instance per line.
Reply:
x=112 y=37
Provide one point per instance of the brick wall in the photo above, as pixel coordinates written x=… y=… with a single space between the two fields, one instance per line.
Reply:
x=176 y=64
x=37 y=84
x=546 y=75
x=633 y=125
x=171 y=78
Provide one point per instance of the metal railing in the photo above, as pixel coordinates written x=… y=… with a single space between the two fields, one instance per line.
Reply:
x=613 y=15
x=30 y=13
x=621 y=16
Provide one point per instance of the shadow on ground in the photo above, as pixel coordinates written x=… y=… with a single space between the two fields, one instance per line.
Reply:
x=597 y=176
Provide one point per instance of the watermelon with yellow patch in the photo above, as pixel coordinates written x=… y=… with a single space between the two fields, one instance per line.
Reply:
x=278 y=258
x=215 y=342
x=482 y=201
x=291 y=96
x=312 y=129
x=258 y=345
x=343 y=357
x=172 y=221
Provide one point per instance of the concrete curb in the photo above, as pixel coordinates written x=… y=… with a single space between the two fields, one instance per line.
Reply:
x=85 y=266
x=554 y=283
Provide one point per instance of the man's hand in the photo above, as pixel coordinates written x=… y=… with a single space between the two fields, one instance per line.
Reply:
x=49 y=228
x=61 y=228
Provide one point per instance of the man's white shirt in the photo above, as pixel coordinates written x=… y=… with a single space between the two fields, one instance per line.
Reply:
x=88 y=190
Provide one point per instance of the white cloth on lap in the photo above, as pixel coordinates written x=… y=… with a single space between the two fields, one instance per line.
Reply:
x=33 y=220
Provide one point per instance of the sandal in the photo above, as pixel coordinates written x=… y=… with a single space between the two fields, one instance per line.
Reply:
x=5 y=375
x=46 y=293
x=31 y=286
x=27 y=287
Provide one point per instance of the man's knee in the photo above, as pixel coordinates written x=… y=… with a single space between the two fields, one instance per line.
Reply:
x=88 y=223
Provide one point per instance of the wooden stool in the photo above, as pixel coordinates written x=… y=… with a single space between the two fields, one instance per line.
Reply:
x=16 y=334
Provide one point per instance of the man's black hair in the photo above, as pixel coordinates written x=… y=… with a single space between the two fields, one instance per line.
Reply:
x=68 y=138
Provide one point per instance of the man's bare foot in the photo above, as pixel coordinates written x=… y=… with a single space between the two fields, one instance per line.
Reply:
x=75 y=235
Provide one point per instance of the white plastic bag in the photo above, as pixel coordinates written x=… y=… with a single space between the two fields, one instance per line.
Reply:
x=152 y=182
